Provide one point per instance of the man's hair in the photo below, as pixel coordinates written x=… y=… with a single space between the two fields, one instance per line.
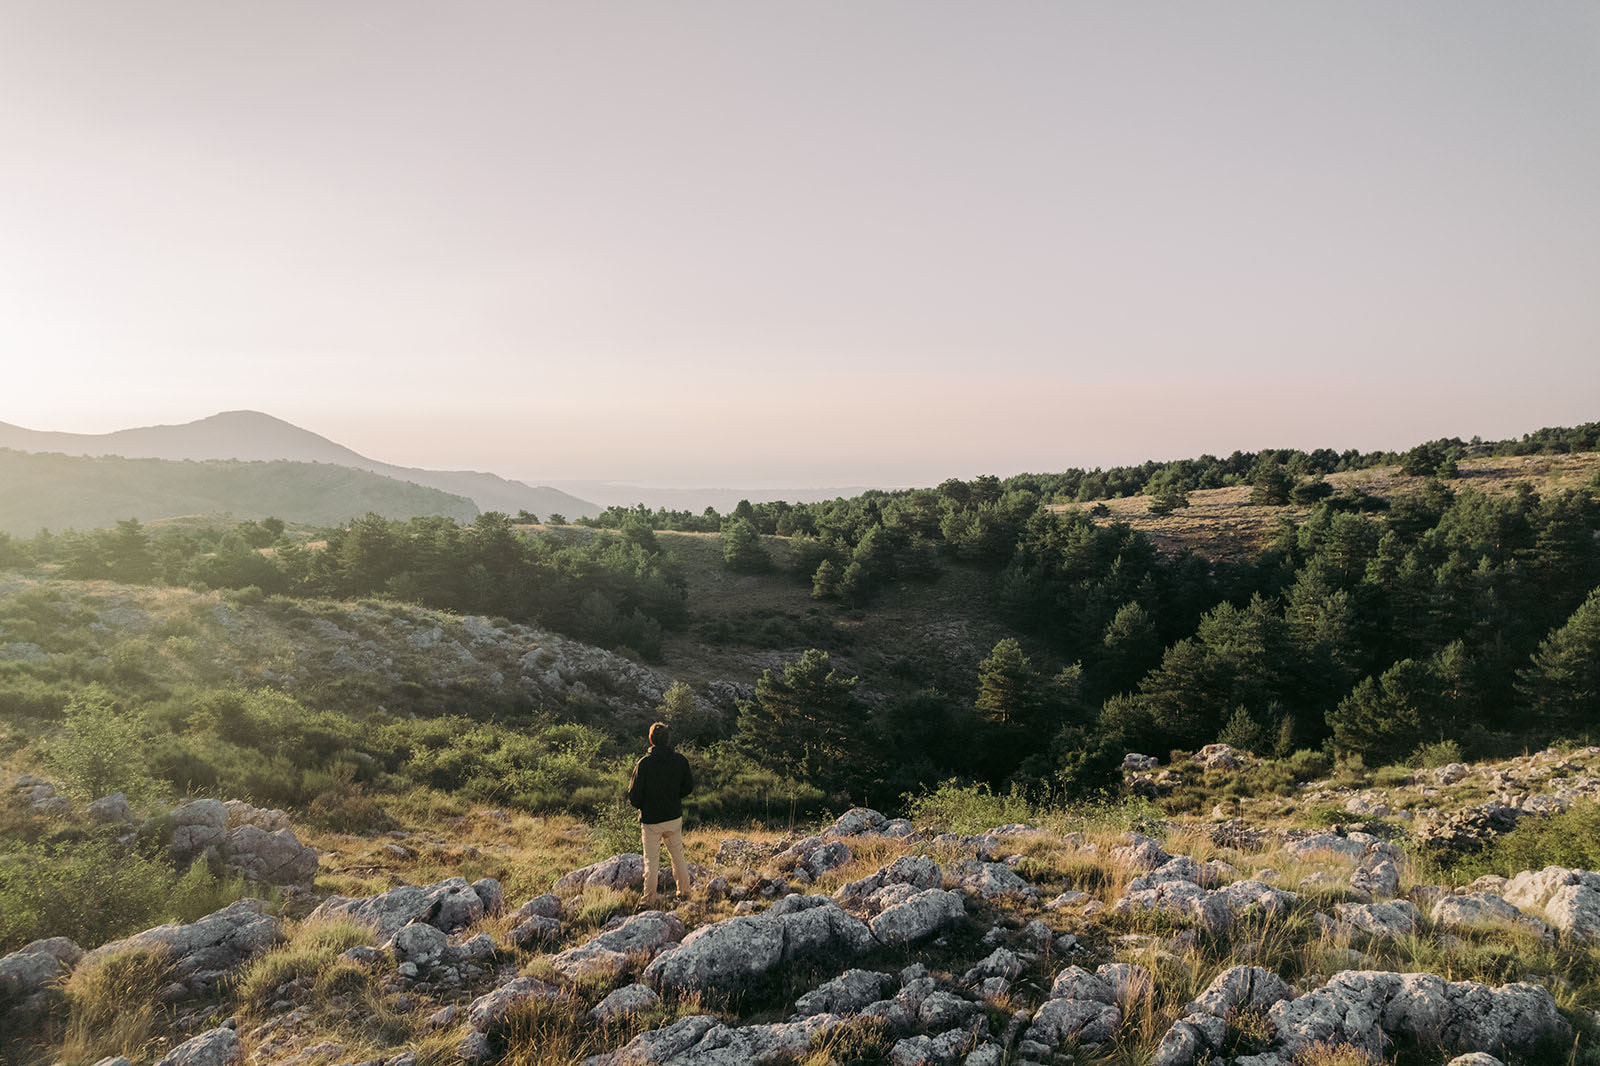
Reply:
x=661 y=735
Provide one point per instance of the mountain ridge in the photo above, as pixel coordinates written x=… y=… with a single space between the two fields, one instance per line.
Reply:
x=256 y=436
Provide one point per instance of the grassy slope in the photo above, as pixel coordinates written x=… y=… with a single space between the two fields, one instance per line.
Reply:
x=1223 y=524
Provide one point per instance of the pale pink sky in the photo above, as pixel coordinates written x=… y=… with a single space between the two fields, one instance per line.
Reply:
x=802 y=243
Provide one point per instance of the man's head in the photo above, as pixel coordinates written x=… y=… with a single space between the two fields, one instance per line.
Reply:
x=660 y=735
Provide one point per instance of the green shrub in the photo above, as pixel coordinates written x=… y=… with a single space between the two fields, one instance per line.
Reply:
x=94 y=891
x=968 y=808
x=102 y=748
x=1431 y=756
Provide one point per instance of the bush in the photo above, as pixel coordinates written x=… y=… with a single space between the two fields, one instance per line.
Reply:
x=1432 y=756
x=94 y=891
x=968 y=808
x=102 y=748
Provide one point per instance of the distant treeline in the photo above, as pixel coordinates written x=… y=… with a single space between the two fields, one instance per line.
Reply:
x=1437 y=457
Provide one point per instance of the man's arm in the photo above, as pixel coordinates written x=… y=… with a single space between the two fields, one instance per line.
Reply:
x=688 y=778
x=634 y=799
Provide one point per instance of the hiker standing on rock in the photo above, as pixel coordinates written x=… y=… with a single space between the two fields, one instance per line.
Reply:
x=660 y=781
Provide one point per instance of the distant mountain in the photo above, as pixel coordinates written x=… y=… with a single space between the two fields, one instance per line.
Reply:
x=55 y=491
x=251 y=435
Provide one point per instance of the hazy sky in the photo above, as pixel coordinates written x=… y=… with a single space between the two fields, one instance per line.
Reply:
x=802 y=243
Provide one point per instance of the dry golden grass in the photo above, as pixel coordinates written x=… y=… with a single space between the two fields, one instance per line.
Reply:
x=1223 y=525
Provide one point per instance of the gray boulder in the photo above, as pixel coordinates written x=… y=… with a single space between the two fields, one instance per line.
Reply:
x=419 y=943
x=618 y=872
x=701 y=1040
x=1240 y=987
x=31 y=969
x=548 y=905
x=917 y=871
x=1570 y=899
x=845 y=994
x=1365 y=1008
x=855 y=822
x=639 y=935
x=216 y=1047
x=198 y=825
x=486 y=1012
x=990 y=880
x=1482 y=910
x=275 y=858
x=449 y=905
x=113 y=809
x=1395 y=918
x=919 y=917
x=204 y=951
x=627 y=1000
x=531 y=932
x=1140 y=852
x=738 y=949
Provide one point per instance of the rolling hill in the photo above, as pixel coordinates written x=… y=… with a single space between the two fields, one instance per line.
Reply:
x=55 y=491
x=251 y=435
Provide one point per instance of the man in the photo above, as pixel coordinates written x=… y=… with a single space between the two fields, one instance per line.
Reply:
x=660 y=781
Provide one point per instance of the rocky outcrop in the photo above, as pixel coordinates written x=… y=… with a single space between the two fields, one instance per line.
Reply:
x=623 y=940
x=1394 y=918
x=27 y=973
x=1367 y=1008
x=1482 y=910
x=701 y=1040
x=748 y=947
x=204 y=952
x=448 y=905
x=1570 y=899
x=254 y=843
x=1082 y=1007
x=1203 y=1028
x=919 y=917
x=864 y=896
x=216 y=1047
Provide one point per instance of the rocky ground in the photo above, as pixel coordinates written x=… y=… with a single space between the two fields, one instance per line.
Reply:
x=877 y=940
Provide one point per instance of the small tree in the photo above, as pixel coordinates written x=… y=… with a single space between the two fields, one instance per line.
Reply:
x=741 y=548
x=825 y=582
x=1562 y=683
x=806 y=721
x=1271 y=483
x=102 y=748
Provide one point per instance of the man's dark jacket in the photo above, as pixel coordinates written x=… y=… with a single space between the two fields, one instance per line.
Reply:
x=660 y=781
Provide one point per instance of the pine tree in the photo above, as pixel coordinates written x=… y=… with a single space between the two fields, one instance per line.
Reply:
x=1562 y=683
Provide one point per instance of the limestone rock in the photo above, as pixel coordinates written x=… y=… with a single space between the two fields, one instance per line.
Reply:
x=275 y=858
x=919 y=917
x=643 y=934
x=629 y=999
x=29 y=970
x=113 y=809
x=215 y=1047
x=845 y=994
x=205 y=950
x=1364 y=1008
x=448 y=905
x=199 y=825
x=419 y=943
x=854 y=822
x=989 y=880
x=1395 y=918
x=1481 y=910
x=548 y=905
x=618 y=872
x=1246 y=987
x=489 y=1010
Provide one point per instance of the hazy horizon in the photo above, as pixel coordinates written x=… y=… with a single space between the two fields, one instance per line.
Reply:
x=714 y=245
